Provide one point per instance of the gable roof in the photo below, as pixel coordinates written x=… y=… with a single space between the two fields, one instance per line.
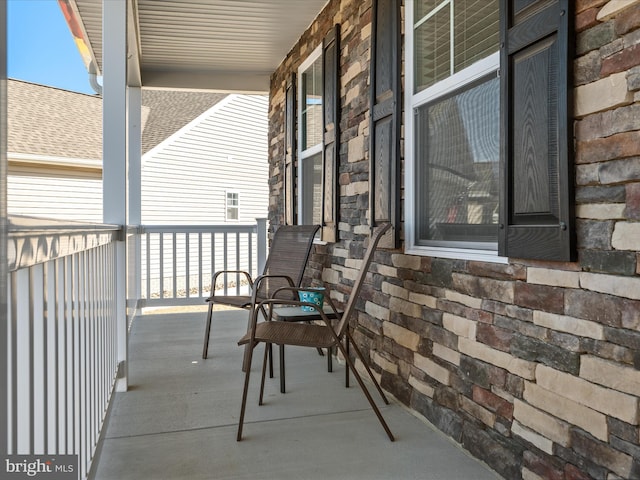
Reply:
x=170 y=110
x=51 y=122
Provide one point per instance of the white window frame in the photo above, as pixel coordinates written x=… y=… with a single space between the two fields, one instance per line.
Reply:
x=314 y=150
x=227 y=206
x=412 y=101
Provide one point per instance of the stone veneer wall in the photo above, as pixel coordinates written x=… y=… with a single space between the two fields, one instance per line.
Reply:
x=531 y=366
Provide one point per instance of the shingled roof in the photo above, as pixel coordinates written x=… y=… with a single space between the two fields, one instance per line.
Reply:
x=170 y=110
x=52 y=122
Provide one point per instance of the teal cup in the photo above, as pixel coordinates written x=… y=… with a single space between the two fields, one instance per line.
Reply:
x=311 y=295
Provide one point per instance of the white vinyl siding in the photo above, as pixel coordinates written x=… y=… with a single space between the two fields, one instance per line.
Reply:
x=52 y=192
x=185 y=178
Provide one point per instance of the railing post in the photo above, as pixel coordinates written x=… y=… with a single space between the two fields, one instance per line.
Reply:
x=262 y=243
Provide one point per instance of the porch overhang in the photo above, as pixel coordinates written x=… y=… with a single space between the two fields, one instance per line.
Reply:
x=222 y=45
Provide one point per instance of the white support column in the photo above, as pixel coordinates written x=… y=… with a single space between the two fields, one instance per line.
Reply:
x=114 y=156
x=4 y=378
x=134 y=264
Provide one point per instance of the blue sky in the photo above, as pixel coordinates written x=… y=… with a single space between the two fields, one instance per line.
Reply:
x=40 y=47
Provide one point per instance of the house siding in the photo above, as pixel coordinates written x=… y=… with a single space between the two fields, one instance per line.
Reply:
x=52 y=192
x=530 y=365
x=223 y=149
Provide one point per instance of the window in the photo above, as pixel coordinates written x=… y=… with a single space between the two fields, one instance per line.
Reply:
x=233 y=206
x=312 y=110
x=455 y=125
x=488 y=144
x=310 y=139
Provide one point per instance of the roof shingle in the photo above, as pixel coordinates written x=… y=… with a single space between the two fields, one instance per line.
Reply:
x=52 y=122
x=170 y=110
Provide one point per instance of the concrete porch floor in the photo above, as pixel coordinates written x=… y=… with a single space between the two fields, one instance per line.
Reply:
x=179 y=418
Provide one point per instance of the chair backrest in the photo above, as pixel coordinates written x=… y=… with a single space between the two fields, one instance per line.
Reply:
x=376 y=235
x=288 y=255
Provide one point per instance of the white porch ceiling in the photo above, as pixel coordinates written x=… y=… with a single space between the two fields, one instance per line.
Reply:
x=225 y=45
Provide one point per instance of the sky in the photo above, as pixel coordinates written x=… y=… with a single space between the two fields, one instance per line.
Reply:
x=40 y=47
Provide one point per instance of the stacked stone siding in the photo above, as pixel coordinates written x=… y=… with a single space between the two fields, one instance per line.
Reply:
x=531 y=366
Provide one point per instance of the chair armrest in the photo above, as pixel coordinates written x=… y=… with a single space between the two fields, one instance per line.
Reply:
x=214 y=279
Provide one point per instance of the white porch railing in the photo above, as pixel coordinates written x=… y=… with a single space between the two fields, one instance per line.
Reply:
x=62 y=354
x=62 y=357
x=178 y=261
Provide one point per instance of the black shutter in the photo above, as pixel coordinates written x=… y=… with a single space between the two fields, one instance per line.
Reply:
x=537 y=218
x=384 y=128
x=331 y=133
x=290 y=151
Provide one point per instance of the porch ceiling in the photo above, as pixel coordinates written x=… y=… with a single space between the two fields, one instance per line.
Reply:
x=225 y=45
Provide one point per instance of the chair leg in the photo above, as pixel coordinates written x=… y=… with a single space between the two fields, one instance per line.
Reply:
x=270 y=360
x=267 y=348
x=346 y=370
x=246 y=363
x=373 y=379
x=282 y=380
x=245 y=391
x=366 y=391
x=207 y=331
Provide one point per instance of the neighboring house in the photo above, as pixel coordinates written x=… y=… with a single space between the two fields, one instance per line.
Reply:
x=211 y=145
x=54 y=153
x=219 y=158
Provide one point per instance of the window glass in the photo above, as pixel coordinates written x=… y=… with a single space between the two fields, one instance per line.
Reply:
x=450 y=35
x=233 y=206
x=311 y=183
x=433 y=48
x=458 y=147
x=476 y=31
x=310 y=141
x=312 y=104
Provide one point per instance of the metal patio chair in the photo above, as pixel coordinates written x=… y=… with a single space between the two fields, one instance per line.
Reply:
x=328 y=334
x=285 y=266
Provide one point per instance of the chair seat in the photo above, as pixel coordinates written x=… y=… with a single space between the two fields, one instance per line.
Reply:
x=238 y=301
x=298 y=334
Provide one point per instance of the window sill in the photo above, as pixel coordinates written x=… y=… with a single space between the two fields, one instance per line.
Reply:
x=457 y=253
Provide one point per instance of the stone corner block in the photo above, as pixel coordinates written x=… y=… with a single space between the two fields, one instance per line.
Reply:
x=603 y=94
